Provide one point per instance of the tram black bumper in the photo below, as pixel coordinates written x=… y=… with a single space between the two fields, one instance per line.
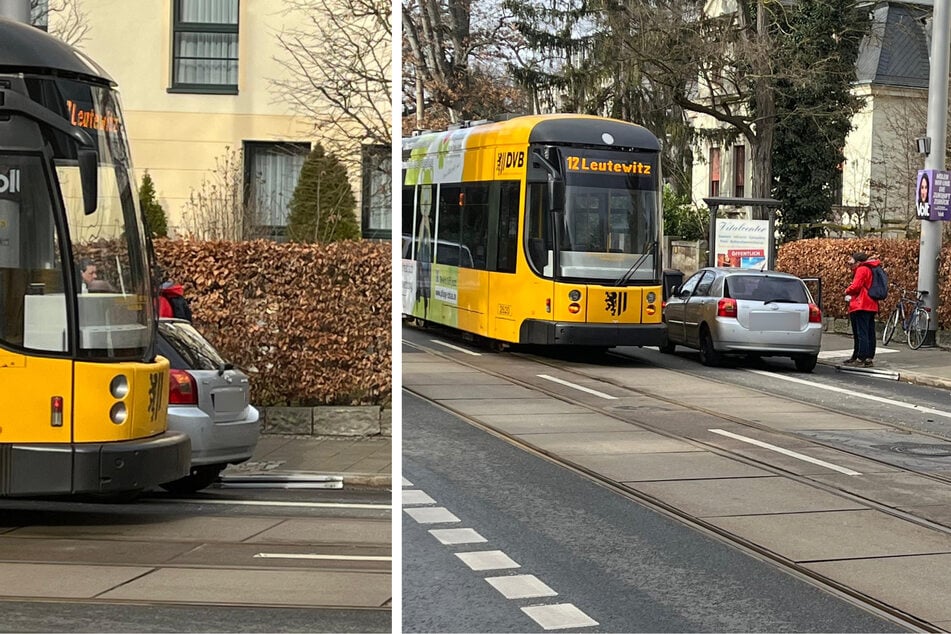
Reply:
x=116 y=467
x=551 y=333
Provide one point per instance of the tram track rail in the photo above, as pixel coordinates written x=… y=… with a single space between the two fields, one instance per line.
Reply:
x=798 y=570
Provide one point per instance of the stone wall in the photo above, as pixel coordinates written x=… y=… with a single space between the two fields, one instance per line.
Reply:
x=688 y=255
x=328 y=420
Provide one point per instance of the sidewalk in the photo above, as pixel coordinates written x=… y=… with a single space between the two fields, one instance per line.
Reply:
x=361 y=461
x=925 y=366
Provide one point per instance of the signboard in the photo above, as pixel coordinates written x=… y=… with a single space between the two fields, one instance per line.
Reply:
x=741 y=243
x=933 y=195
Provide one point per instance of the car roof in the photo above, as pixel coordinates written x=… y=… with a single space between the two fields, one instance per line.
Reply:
x=729 y=270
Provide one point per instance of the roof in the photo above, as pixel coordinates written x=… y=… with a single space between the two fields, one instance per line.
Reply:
x=24 y=48
x=897 y=50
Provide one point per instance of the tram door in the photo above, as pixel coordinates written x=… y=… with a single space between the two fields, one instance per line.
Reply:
x=33 y=342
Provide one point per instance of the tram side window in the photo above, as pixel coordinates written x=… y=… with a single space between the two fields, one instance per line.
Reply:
x=32 y=302
x=449 y=225
x=508 y=227
x=475 y=225
x=408 y=200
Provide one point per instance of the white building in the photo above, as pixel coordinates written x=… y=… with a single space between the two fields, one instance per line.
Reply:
x=881 y=160
x=196 y=83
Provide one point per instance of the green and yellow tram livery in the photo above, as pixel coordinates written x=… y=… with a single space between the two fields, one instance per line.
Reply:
x=535 y=230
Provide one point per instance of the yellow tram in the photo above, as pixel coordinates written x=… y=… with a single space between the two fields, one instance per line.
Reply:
x=83 y=397
x=535 y=230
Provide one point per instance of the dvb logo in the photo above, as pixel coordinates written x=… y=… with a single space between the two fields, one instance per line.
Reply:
x=10 y=182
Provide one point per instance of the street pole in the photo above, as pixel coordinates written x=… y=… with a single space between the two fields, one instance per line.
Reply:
x=930 y=246
x=18 y=10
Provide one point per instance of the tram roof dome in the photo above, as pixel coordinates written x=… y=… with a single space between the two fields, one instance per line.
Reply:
x=25 y=48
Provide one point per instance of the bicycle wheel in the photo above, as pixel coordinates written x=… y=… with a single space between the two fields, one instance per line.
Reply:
x=890 y=325
x=918 y=328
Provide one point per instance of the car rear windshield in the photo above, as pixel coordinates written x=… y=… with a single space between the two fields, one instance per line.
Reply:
x=764 y=288
x=190 y=345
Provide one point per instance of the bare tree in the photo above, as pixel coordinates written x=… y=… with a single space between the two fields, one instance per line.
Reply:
x=453 y=61
x=63 y=18
x=338 y=55
x=219 y=209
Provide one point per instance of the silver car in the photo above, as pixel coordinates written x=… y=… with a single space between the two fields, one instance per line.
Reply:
x=209 y=401
x=722 y=311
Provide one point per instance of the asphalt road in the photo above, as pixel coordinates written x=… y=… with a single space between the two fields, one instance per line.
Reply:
x=619 y=565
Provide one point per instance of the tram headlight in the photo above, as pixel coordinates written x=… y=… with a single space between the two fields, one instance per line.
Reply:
x=651 y=296
x=119 y=386
x=574 y=308
x=118 y=413
x=574 y=295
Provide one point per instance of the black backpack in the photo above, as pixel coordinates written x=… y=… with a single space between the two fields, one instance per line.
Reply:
x=180 y=307
x=878 y=290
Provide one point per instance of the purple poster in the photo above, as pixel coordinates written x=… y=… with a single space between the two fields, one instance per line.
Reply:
x=933 y=195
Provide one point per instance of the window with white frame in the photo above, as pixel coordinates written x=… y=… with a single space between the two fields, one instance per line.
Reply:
x=377 y=200
x=271 y=172
x=205 y=46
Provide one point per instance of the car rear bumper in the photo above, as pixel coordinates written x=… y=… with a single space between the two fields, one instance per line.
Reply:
x=81 y=468
x=216 y=443
x=731 y=337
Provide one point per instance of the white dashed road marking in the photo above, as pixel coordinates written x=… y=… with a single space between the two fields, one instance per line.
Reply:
x=309 y=505
x=521 y=587
x=449 y=536
x=488 y=560
x=856 y=394
x=436 y=515
x=407 y=483
x=549 y=617
x=416 y=497
x=786 y=452
x=327 y=557
x=577 y=387
x=457 y=348
x=559 y=616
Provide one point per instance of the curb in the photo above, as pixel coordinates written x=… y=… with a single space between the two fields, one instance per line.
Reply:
x=367 y=480
x=924 y=379
x=912 y=378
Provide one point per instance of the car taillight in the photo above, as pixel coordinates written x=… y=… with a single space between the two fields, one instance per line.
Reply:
x=815 y=315
x=182 y=389
x=726 y=308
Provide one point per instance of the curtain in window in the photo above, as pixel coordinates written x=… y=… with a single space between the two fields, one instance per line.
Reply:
x=274 y=173
x=209 y=11
x=207 y=58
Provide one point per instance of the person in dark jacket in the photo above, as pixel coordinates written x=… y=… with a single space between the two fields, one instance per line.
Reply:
x=862 y=310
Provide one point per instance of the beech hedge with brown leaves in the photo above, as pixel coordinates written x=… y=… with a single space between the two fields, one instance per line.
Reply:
x=311 y=323
x=828 y=259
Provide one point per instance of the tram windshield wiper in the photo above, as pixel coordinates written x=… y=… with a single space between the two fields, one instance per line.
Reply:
x=621 y=281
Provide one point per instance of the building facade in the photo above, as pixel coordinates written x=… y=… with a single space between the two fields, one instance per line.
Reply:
x=223 y=150
x=878 y=174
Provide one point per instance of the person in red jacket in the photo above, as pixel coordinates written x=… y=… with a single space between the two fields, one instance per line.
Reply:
x=862 y=310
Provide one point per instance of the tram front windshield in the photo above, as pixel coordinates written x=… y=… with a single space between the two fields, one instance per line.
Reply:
x=610 y=219
x=55 y=260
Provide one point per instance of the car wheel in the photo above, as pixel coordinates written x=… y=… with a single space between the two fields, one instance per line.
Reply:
x=708 y=354
x=805 y=362
x=198 y=479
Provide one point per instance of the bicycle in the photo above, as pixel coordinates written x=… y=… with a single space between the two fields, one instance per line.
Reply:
x=914 y=316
